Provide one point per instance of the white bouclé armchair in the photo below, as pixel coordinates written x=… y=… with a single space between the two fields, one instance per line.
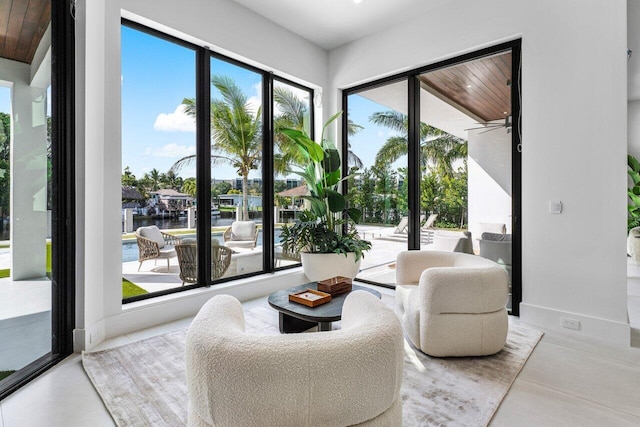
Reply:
x=350 y=376
x=451 y=303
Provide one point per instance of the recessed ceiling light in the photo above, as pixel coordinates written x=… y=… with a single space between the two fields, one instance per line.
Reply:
x=357 y=1
x=468 y=86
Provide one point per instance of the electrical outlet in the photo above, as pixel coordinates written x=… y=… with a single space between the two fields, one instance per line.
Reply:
x=570 y=323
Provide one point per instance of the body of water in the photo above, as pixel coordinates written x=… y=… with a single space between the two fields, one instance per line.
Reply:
x=130 y=247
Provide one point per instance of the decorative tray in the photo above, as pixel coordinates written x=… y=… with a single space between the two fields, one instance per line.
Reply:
x=335 y=285
x=310 y=297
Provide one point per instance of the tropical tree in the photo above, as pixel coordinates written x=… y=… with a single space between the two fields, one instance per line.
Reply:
x=128 y=178
x=189 y=187
x=153 y=179
x=236 y=133
x=438 y=149
x=293 y=113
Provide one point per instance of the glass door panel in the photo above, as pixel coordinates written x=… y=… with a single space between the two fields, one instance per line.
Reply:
x=377 y=151
x=26 y=199
x=467 y=148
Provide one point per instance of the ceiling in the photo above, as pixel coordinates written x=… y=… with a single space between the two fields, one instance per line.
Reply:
x=481 y=87
x=332 y=23
x=22 y=25
x=447 y=102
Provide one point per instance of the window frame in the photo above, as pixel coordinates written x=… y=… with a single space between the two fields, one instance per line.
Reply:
x=203 y=56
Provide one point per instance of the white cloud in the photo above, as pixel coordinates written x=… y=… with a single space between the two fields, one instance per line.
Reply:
x=172 y=151
x=255 y=102
x=178 y=121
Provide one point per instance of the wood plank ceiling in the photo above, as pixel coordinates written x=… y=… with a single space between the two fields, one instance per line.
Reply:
x=482 y=86
x=22 y=25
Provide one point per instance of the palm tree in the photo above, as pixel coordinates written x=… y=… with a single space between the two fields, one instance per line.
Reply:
x=236 y=133
x=438 y=148
x=153 y=178
x=189 y=187
x=292 y=112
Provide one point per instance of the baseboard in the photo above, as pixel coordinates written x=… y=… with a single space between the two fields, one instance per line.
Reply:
x=610 y=331
x=155 y=311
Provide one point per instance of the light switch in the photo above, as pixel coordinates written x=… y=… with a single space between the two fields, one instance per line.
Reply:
x=555 y=207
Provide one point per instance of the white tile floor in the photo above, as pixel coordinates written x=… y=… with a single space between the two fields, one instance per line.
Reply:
x=566 y=382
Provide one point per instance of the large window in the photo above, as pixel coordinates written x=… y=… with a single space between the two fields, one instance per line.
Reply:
x=292 y=109
x=158 y=160
x=201 y=175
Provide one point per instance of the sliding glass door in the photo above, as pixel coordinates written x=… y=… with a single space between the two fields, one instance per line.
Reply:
x=437 y=150
x=36 y=191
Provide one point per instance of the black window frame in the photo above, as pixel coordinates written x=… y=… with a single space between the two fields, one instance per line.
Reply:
x=203 y=56
x=413 y=109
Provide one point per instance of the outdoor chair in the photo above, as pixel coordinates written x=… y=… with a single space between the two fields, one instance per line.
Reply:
x=188 y=256
x=402 y=226
x=241 y=234
x=155 y=244
x=282 y=255
x=497 y=247
x=427 y=230
x=453 y=241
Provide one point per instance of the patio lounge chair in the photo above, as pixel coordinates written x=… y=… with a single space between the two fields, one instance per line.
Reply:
x=403 y=226
x=241 y=234
x=155 y=244
x=188 y=256
x=427 y=230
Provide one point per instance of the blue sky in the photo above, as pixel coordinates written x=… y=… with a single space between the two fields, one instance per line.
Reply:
x=157 y=75
x=5 y=99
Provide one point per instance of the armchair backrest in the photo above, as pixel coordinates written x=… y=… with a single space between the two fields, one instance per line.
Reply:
x=243 y=230
x=288 y=380
x=152 y=233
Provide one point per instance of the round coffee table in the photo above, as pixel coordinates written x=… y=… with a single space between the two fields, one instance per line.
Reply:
x=294 y=317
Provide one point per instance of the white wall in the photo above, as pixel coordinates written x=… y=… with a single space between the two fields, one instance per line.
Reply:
x=489 y=185
x=574 y=80
x=28 y=202
x=226 y=27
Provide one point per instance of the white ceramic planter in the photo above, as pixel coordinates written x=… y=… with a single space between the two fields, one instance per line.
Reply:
x=324 y=266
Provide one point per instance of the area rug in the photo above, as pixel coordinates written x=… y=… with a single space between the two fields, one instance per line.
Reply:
x=143 y=383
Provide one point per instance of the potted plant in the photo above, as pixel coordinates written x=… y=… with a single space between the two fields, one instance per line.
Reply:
x=325 y=236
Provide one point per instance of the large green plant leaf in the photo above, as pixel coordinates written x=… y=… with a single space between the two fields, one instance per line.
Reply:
x=633 y=163
x=354 y=214
x=635 y=199
x=331 y=161
x=328 y=122
x=307 y=146
x=336 y=200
